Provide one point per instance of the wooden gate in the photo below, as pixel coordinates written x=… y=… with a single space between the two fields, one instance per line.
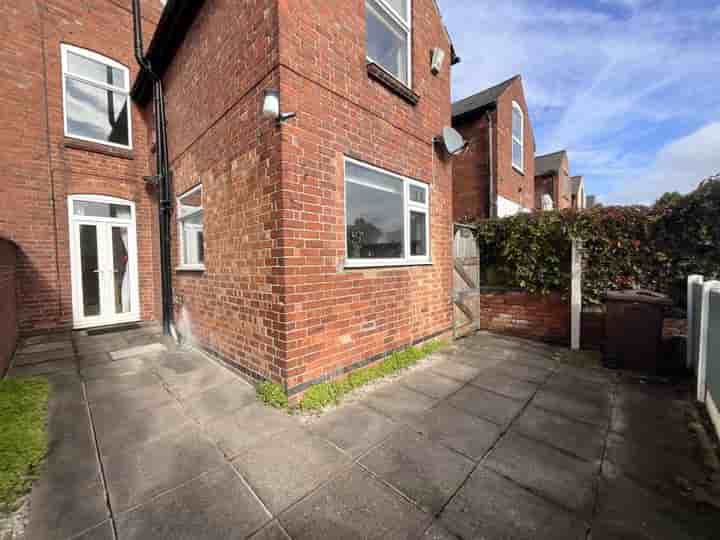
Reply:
x=466 y=280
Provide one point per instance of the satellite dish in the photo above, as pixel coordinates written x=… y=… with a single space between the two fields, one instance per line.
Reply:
x=452 y=141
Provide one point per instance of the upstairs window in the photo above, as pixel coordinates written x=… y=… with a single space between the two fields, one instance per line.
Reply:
x=192 y=236
x=388 y=36
x=95 y=98
x=518 y=137
x=387 y=218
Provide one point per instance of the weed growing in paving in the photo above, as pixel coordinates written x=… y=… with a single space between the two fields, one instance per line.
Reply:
x=321 y=395
x=23 y=438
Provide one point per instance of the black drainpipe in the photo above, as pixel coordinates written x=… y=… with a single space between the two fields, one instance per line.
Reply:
x=492 y=207
x=163 y=177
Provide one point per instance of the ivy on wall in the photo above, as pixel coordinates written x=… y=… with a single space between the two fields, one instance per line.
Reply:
x=635 y=246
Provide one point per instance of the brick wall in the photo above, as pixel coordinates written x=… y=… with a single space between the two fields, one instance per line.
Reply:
x=471 y=170
x=40 y=167
x=8 y=304
x=539 y=317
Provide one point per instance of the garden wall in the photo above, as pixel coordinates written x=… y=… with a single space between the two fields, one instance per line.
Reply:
x=518 y=313
x=8 y=304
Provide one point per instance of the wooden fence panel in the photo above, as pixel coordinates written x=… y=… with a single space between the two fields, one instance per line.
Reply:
x=466 y=280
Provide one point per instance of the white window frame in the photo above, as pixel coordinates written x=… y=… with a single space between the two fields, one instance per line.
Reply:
x=181 y=236
x=405 y=25
x=90 y=55
x=521 y=140
x=408 y=205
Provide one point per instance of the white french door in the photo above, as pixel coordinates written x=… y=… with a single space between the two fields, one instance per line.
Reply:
x=103 y=256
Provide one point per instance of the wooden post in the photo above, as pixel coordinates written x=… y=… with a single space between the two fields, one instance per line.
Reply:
x=576 y=294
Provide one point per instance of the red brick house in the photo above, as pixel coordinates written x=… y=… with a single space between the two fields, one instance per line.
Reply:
x=301 y=247
x=499 y=164
x=75 y=150
x=552 y=178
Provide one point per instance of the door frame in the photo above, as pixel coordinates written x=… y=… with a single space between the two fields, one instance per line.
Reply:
x=79 y=320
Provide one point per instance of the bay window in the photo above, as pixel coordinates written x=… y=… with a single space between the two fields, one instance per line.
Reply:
x=386 y=218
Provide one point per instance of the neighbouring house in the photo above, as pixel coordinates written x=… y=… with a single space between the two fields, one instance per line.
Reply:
x=578 y=198
x=75 y=151
x=553 y=180
x=495 y=176
x=303 y=245
x=590 y=201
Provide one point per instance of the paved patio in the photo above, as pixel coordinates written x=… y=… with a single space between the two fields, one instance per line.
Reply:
x=493 y=438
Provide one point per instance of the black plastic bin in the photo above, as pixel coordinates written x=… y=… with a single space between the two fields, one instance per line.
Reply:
x=633 y=329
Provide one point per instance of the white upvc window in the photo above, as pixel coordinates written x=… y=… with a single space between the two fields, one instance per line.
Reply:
x=389 y=36
x=387 y=218
x=518 y=137
x=191 y=231
x=96 y=102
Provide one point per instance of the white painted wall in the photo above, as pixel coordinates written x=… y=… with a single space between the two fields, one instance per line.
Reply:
x=506 y=207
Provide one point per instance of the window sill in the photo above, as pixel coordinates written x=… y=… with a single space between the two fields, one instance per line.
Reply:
x=98 y=148
x=367 y=265
x=518 y=169
x=394 y=85
x=190 y=268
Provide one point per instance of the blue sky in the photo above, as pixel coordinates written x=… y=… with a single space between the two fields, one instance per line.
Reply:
x=631 y=88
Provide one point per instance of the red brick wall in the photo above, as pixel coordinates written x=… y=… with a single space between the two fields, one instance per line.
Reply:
x=512 y=184
x=471 y=170
x=540 y=317
x=40 y=167
x=8 y=304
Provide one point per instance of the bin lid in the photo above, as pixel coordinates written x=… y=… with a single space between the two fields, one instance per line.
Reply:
x=639 y=295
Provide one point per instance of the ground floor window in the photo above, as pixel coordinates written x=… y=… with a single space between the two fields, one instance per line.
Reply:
x=192 y=237
x=386 y=216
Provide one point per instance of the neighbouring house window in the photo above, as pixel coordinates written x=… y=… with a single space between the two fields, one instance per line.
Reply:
x=387 y=217
x=95 y=98
x=388 y=36
x=192 y=241
x=518 y=136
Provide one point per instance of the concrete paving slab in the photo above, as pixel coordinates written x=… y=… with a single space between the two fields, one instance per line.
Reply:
x=271 y=531
x=215 y=506
x=579 y=438
x=92 y=359
x=176 y=363
x=354 y=428
x=127 y=366
x=103 y=531
x=580 y=389
x=589 y=374
x=437 y=532
x=139 y=427
x=285 y=467
x=135 y=476
x=50 y=337
x=246 y=427
x=354 y=506
x=63 y=345
x=581 y=409
x=398 y=402
x=66 y=365
x=430 y=383
x=207 y=375
x=139 y=350
x=455 y=370
x=53 y=355
x=218 y=401
x=464 y=433
x=425 y=472
x=523 y=372
x=490 y=506
x=488 y=405
x=560 y=477
x=99 y=389
x=113 y=406
x=481 y=359
x=627 y=510
x=507 y=386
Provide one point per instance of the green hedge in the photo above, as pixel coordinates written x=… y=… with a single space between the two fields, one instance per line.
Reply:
x=651 y=247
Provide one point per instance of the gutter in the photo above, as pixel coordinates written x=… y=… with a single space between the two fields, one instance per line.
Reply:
x=492 y=202
x=163 y=175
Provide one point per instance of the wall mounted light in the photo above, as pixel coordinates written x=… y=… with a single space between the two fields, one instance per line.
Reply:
x=271 y=107
x=437 y=59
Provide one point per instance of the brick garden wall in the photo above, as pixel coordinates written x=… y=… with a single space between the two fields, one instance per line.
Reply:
x=40 y=167
x=540 y=317
x=8 y=304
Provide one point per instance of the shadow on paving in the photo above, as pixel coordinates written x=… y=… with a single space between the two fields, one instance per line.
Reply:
x=493 y=437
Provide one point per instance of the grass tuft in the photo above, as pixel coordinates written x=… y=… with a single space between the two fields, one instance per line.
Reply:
x=272 y=394
x=23 y=436
x=322 y=395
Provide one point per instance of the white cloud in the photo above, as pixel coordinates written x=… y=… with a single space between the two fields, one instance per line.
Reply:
x=679 y=166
